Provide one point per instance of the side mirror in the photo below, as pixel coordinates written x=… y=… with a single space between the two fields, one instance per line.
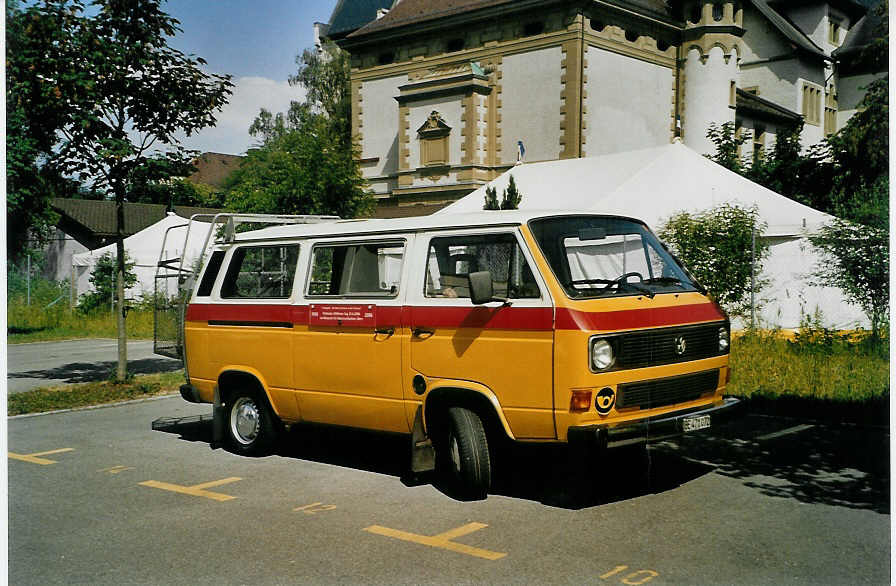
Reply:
x=482 y=289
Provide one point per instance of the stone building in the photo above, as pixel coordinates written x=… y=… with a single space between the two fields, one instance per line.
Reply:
x=448 y=94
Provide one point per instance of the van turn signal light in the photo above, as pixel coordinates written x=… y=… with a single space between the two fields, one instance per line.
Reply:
x=580 y=401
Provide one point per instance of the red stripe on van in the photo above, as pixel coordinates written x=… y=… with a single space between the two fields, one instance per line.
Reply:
x=246 y=312
x=501 y=318
x=504 y=318
x=571 y=319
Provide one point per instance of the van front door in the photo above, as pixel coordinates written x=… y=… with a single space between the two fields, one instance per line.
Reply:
x=348 y=358
x=506 y=348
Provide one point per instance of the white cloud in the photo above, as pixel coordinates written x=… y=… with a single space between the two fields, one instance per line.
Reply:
x=231 y=133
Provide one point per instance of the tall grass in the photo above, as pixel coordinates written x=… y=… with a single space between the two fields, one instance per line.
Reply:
x=40 y=321
x=814 y=365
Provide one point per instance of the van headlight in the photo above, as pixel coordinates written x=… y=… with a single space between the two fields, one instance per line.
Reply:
x=724 y=340
x=602 y=356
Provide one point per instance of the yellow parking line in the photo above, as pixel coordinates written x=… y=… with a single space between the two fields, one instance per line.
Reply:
x=442 y=540
x=197 y=489
x=36 y=459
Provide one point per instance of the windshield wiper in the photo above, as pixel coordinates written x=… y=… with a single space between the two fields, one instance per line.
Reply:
x=590 y=282
x=665 y=280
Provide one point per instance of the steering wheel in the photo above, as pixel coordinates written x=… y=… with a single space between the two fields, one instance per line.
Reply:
x=622 y=278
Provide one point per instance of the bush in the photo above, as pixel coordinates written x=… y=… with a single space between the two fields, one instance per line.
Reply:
x=715 y=245
x=103 y=280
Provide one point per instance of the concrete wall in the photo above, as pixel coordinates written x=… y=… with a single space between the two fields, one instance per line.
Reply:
x=530 y=104
x=628 y=103
x=850 y=91
x=811 y=19
x=707 y=96
x=761 y=39
x=379 y=127
x=60 y=248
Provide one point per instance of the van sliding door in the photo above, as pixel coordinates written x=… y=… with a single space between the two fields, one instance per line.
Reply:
x=348 y=359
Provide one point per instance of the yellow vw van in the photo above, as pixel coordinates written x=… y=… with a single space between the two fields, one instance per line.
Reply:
x=456 y=330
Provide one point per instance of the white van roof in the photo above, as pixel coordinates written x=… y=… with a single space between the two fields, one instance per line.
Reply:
x=404 y=225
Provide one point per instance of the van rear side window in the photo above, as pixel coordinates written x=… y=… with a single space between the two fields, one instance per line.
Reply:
x=211 y=273
x=369 y=269
x=261 y=272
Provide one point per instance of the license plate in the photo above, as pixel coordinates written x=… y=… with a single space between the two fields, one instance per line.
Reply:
x=695 y=423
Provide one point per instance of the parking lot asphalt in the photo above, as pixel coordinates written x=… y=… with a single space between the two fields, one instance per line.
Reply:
x=43 y=364
x=101 y=497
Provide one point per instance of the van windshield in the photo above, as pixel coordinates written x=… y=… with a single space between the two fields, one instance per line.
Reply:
x=594 y=256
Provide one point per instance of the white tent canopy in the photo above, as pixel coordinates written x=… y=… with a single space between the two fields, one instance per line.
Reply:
x=653 y=184
x=143 y=249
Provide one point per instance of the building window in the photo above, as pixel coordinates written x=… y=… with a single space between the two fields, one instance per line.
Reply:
x=455 y=45
x=811 y=104
x=696 y=14
x=758 y=142
x=717 y=11
x=533 y=28
x=830 y=112
x=433 y=135
x=834 y=32
x=386 y=58
x=738 y=134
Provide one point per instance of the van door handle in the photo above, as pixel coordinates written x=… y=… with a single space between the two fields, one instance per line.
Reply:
x=422 y=332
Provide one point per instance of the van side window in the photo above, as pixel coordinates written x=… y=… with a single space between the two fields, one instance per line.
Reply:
x=211 y=273
x=451 y=259
x=261 y=272
x=368 y=269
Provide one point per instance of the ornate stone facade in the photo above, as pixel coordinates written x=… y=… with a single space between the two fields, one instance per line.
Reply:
x=569 y=79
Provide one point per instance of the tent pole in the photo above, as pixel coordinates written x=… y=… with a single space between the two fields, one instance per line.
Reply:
x=753 y=278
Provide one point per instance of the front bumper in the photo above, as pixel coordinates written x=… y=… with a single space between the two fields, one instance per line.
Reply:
x=601 y=437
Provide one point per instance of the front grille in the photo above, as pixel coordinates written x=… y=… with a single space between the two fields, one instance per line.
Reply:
x=667 y=391
x=656 y=347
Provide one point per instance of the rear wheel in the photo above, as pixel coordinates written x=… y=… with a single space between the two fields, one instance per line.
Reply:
x=251 y=425
x=465 y=454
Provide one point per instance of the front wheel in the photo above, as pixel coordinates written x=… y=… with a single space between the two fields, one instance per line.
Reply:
x=251 y=424
x=466 y=451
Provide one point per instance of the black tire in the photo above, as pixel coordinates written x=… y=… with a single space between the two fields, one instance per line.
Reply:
x=465 y=454
x=251 y=424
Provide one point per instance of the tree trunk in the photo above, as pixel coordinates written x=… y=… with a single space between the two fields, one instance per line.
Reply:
x=121 y=372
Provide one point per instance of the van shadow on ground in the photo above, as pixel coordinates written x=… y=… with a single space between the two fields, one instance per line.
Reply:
x=533 y=472
x=821 y=464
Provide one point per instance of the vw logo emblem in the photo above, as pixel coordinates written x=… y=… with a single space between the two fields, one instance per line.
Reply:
x=680 y=345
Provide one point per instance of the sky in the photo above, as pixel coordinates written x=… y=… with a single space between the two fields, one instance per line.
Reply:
x=254 y=41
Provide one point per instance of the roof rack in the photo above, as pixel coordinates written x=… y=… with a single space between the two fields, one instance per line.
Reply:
x=170 y=301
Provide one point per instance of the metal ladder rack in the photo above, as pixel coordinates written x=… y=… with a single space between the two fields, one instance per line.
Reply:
x=176 y=275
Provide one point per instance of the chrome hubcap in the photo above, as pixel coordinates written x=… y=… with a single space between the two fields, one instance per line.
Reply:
x=244 y=420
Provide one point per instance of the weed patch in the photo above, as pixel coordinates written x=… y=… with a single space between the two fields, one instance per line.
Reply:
x=95 y=393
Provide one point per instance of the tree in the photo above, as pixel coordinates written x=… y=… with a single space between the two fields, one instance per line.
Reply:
x=728 y=143
x=103 y=280
x=511 y=198
x=716 y=246
x=116 y=90
x=803 y=175
x=491 y=199
x=298 y=173
x=856 y=259
x=306 y=162
x=33 y=116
